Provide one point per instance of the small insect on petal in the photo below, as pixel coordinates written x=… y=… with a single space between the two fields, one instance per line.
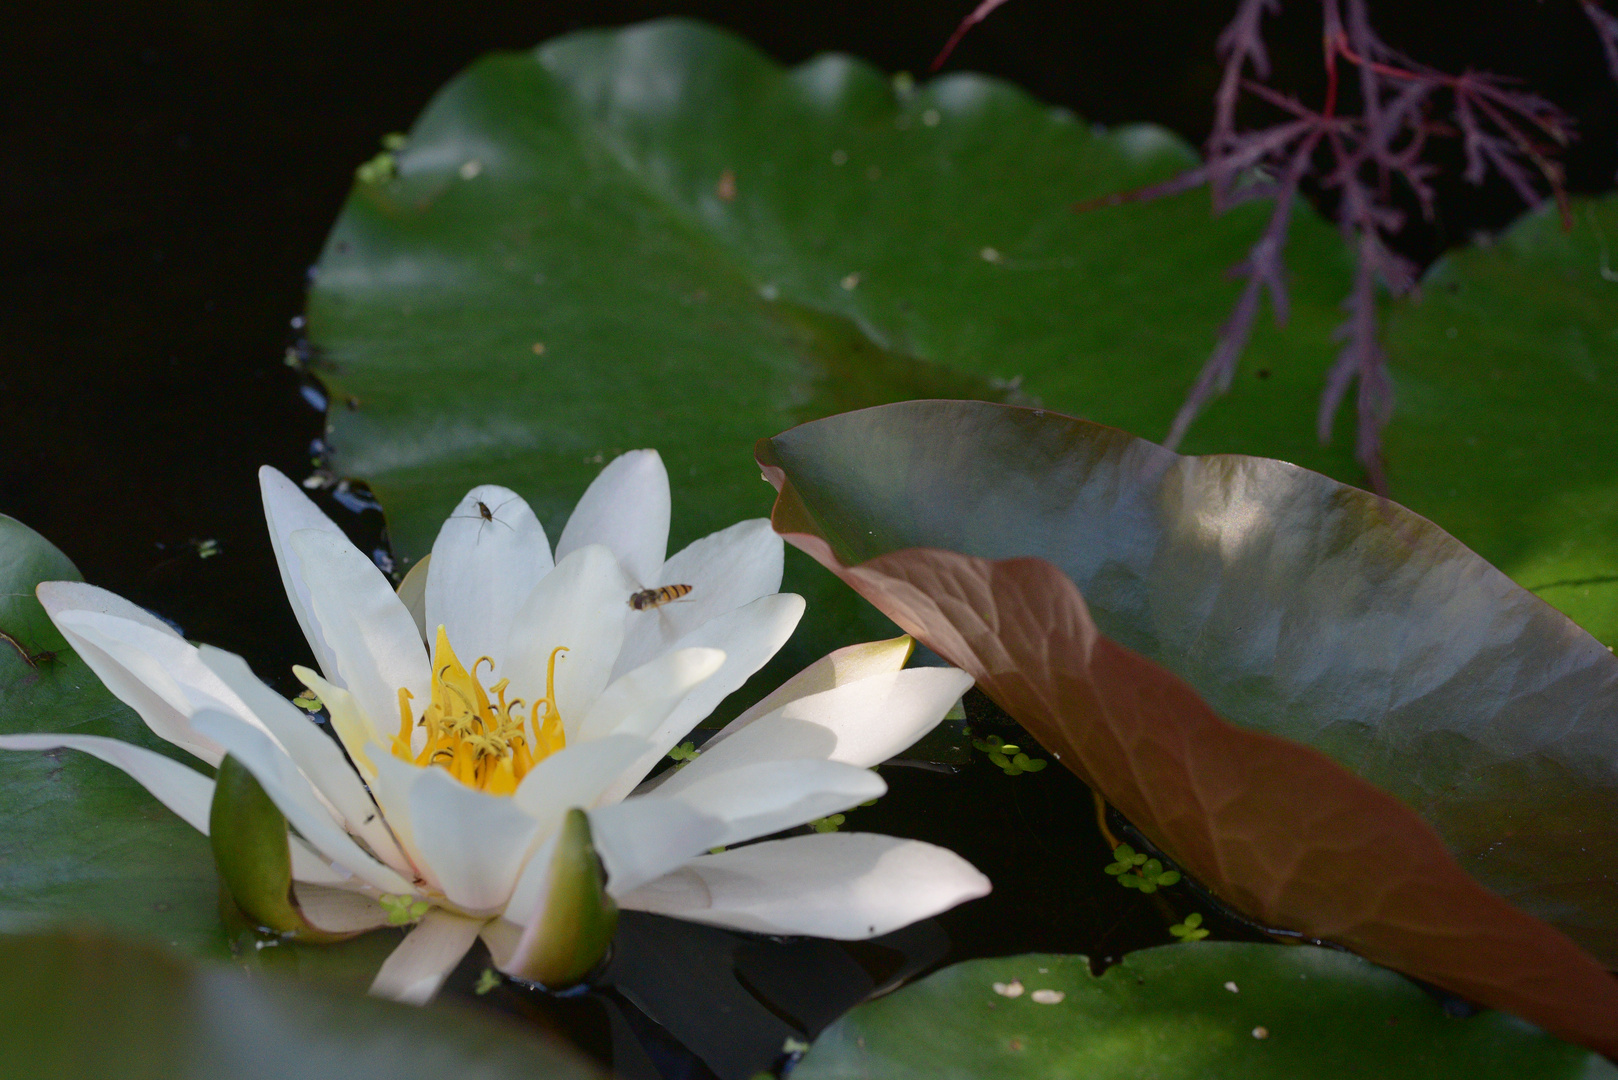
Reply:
x=1011 y=989
x=1047 y=997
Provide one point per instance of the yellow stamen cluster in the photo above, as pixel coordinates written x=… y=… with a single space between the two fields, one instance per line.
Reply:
x=485 y=745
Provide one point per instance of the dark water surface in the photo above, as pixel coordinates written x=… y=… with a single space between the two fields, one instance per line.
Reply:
x=170 y=171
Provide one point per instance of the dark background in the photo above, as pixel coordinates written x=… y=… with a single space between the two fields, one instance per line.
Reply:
x=169 y=171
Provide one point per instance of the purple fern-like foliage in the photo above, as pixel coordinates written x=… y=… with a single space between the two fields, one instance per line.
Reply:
x=1363 y=156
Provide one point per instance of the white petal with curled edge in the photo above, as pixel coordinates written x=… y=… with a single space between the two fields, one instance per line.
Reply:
x=184 y=790
x=627 y=509
x=860 y=723
x=483 y=569
x=156 y=674
x=293 y=796
x=575 y=776
x=338 y=911
x=374 y=640
x=474 y=843
x=287 y=510
x=847 y=886
x=638 y=703
x=846 y=665
x=725 y=570
x=315 y=755
x=59 y=596
x=768 y=796
x=580 y=606
x=414 y=971
x=749 y=636
x=643 y=839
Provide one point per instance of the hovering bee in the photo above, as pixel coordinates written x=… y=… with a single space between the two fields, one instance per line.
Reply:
x=647 y=599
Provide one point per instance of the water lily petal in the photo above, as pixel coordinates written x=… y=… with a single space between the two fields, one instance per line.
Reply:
x=859 y=723
x=184 y=790
x=59 y=596
x=291 y=793
x=373 y=639
x=412 y=593
x=638 y=703
x=483 y=570
x=847 y=886
x=642 y=839
x=725 y=570
x=390 y=782
x=749 y=636
x=414 y=971
x=576 y=776
x=315 y=755
x=338 y=911
x=156 y=673
x=354 y=729
x=287 y=510
x=474 y=843
x=579 y=606
x=627 y=509
x=848 y=664
x=768 y=796
x=311 y=867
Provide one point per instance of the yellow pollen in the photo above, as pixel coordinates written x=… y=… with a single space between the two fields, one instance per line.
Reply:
x=485 y=745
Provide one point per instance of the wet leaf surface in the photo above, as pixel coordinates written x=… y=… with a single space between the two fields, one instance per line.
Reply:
x=1181 y=1012
x=557 y=274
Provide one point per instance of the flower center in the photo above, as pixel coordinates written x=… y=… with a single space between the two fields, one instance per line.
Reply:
x=488 y=745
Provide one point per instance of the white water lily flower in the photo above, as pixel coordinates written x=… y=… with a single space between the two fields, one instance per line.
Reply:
x=498 y=689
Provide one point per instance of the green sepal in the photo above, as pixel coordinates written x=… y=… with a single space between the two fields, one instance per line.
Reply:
x=576 y=925
x=248 y=834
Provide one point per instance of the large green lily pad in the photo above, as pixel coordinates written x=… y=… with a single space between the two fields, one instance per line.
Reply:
x=85 y=1006
x=1182 y=1012
x=709 y=248
x=86 y=844
x=1507 y=372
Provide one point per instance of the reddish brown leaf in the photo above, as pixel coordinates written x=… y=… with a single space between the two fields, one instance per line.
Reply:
x=1275 y=829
